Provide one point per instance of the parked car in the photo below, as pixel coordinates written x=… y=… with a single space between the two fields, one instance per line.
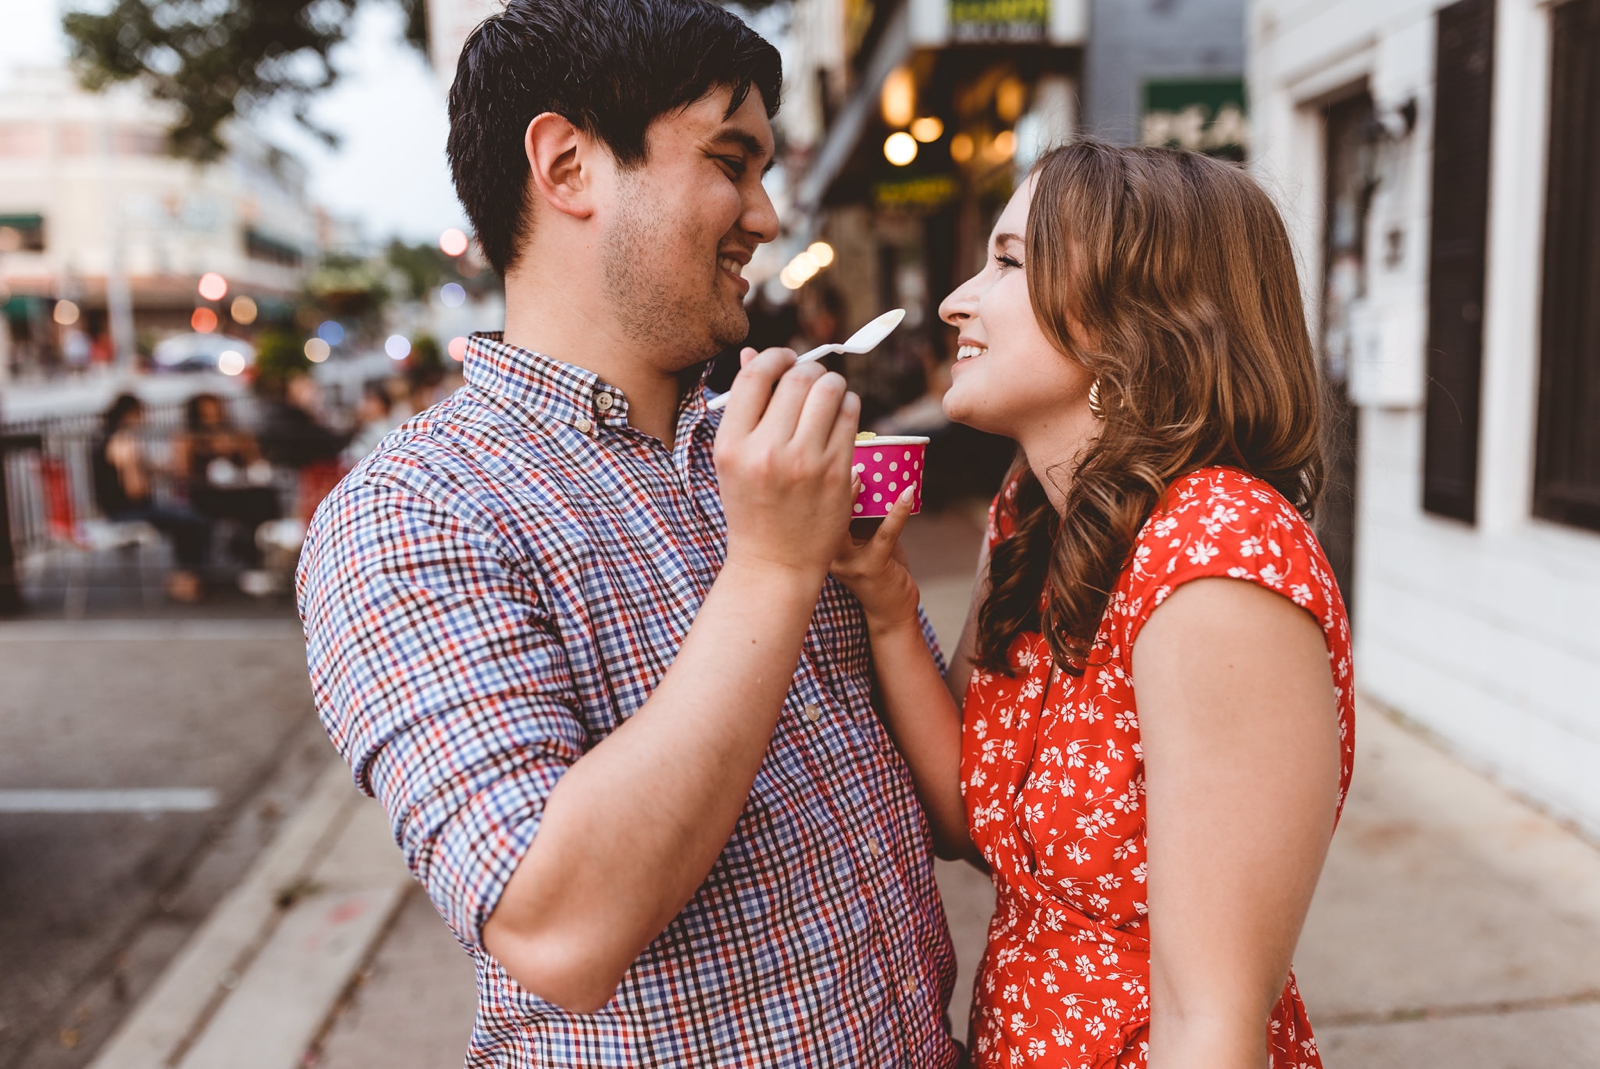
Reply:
x=204 y=352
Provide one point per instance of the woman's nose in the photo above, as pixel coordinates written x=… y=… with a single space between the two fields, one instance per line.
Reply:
x=959 y=307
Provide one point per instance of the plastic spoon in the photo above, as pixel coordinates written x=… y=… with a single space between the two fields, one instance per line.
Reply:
x=864 y=340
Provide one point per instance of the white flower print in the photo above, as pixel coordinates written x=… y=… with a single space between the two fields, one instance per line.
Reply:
x=1201 y=552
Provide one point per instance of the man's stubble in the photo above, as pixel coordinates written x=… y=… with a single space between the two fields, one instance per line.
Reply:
x=655 y=304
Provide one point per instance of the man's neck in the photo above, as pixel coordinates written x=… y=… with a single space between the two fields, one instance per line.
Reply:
x=570 y=321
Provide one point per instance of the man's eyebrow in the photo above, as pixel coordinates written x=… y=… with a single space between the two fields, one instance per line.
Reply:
x=751 y=145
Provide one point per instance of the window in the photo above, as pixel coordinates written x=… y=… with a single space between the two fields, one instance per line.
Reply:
x=21 y=233
x=1462 y=98
x=1567 y=475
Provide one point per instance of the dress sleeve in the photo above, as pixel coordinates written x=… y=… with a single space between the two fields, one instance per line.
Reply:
x=1220 y=523
x=440 y=680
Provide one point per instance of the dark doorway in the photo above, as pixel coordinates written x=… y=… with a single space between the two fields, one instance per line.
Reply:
x=1350 y=174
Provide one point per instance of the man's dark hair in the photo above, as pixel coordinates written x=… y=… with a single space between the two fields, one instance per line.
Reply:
x=610 y=67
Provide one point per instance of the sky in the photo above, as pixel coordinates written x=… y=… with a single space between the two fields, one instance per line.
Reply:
x=389 y=172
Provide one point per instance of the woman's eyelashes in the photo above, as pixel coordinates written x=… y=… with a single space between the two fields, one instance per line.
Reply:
x=1005 y=261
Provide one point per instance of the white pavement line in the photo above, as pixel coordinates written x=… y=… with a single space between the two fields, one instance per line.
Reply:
x=280 y=1005
x=149 y=630
x=203 y=970
x=159 y=800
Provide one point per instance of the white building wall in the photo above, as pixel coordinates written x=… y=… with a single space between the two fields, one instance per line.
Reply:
x=177 y=219
x=1486 y=634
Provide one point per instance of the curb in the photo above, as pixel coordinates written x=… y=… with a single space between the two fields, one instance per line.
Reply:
x=252 y=988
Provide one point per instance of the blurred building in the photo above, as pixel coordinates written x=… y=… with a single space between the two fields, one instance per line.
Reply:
x=1440 y=168
x=92 y=205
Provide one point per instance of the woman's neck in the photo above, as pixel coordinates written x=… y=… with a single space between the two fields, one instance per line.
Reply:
x=1054 y=453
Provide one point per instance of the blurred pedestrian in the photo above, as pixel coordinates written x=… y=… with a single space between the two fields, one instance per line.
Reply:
x=124 y=493
x=293 y=431
x=293 y=435
x=376 y=416
x=228 y=480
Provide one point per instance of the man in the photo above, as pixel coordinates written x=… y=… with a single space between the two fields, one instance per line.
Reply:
x=578 y=637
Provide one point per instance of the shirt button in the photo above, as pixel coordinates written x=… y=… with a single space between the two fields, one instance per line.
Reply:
x=603 y=401
x=813 y=713
x=873 y=848
x=910 y=985
x=584 y=426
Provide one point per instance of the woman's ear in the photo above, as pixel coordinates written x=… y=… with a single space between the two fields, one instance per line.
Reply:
x=561 y=164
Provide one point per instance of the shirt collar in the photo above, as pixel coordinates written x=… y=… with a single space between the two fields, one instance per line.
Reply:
x=549 y=391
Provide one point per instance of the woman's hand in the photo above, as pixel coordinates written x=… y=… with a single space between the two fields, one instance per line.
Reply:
x=874 y=570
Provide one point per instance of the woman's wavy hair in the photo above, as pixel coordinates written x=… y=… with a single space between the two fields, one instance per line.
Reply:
x=1169 y=276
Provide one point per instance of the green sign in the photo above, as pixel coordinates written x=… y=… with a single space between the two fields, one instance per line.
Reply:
x=924 y=194
x=999 y=20
x=1207 y=116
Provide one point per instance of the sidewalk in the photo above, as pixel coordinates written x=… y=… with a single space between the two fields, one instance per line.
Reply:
x=1453 y=926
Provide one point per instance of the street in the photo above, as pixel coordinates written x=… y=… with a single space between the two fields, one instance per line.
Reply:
x=93 y=904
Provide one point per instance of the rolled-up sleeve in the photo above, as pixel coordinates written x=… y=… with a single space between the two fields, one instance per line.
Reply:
x=437 y=675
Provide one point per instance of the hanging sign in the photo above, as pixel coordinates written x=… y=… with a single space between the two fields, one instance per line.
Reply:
x=999 y=20
x=1207 y=116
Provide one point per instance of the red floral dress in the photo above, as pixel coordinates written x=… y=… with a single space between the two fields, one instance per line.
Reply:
x=1053 y=778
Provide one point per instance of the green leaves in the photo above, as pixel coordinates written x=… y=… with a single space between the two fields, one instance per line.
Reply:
x=214 y=59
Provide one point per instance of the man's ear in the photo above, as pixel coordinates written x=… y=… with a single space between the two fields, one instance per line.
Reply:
x=561 y=164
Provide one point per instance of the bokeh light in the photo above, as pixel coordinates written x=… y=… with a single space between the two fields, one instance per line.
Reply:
x=398 y=346
x=928 y=129
x=213 y=287
x=204 y=320
x=900 y=148
x=243 y=310
x=453 y=242
x=451 y=295
x=821 y=252
x=961 y=148
x=458 y=348
x=1004 y=146
x=230 y=362
x=66 y=313
x=317 y=350
x=330 y=331
x=899 y=97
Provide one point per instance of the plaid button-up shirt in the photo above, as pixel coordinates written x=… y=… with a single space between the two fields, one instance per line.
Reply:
x=492 y=593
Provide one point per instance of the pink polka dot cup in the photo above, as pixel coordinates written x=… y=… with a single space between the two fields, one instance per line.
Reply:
x=886 y=466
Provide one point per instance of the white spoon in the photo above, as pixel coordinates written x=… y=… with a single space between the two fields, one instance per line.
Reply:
x=864 y=340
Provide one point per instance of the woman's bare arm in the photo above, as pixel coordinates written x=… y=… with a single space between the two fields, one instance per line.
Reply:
x=922 y=717
x=1239 y=725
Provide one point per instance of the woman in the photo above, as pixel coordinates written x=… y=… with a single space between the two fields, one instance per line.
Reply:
x=1138 y=332
x=227 y=480
x=122 y=490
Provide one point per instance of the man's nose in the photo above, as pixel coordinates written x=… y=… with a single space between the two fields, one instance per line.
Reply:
x=760 y=218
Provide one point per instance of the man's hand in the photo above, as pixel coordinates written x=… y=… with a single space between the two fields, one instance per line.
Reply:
x=784 y=463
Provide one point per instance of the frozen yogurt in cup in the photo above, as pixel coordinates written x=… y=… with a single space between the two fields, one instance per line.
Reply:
x=886 y=465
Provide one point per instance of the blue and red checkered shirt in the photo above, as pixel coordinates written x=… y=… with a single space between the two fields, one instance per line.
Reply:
x=493 y=592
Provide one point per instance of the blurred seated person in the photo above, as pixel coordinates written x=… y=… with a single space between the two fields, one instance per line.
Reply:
x=375 y=418
x=122 y=490
x=227 y=477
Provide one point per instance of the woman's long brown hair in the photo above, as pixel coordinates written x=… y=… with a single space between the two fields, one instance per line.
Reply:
x=1170 y=277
